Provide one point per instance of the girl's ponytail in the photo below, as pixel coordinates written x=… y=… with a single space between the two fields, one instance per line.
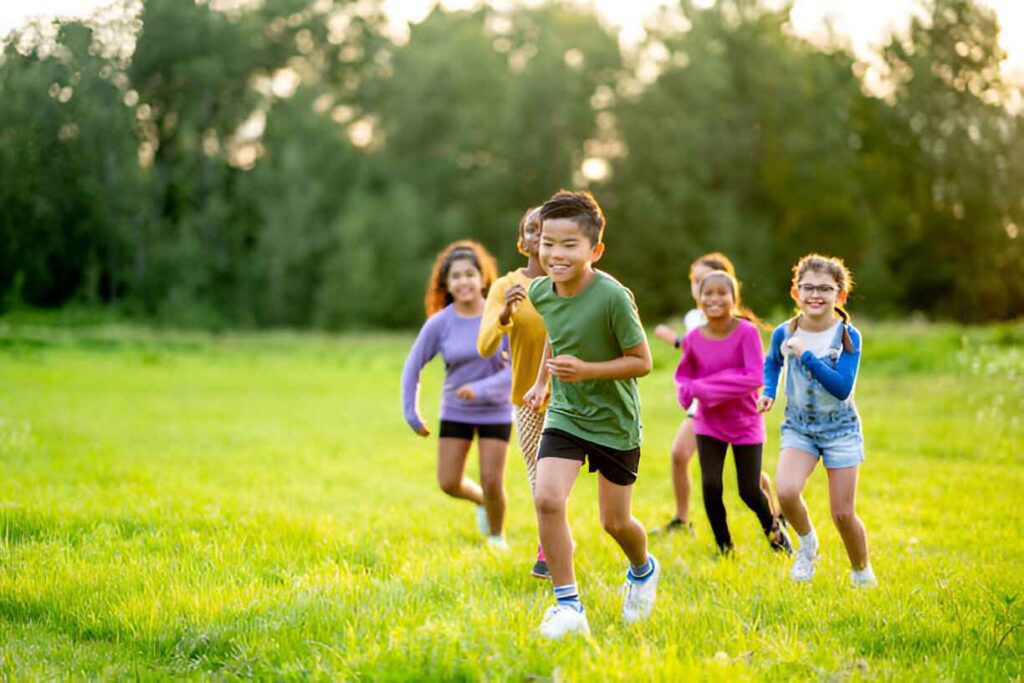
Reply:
x=847 y=339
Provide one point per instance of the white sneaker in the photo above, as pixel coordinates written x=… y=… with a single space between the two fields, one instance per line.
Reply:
x=497 y=543
x=482 y=523
x=561 y=620
x=803 y=566
x=640 y=597
x=863 y=578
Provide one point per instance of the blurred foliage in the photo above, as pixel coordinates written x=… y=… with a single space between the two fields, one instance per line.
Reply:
x=291 y=163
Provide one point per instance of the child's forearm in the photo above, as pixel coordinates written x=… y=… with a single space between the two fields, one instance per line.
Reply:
x=625 y=367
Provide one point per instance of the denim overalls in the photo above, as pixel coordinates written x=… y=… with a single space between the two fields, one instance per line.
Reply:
x=816 y=421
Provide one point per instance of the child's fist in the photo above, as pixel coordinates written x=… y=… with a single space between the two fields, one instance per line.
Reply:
x=765 y=403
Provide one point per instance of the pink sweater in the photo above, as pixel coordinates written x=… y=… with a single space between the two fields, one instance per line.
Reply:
x=724 y=375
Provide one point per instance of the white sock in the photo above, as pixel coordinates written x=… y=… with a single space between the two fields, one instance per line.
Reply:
x=809 y=541
x=867 y=573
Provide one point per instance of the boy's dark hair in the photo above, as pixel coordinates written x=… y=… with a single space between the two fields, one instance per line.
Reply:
x=580 y=207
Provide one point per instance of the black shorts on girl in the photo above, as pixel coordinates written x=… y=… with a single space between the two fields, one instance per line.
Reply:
x=451 y=429
x=618 y=467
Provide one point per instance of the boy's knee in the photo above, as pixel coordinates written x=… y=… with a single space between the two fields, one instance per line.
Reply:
x=614 y=525
x=548 y=504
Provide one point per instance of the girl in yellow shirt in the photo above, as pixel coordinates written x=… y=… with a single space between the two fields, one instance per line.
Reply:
x=508 y=311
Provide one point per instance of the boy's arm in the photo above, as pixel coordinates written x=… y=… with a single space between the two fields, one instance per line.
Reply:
x=491 y=330
x=634 y=362
x=839 y=381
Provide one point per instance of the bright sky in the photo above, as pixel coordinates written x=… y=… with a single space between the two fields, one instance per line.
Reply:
x=864 y=23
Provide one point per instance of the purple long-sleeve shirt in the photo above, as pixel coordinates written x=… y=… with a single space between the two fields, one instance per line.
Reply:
x=454 y=337
x=724 y=375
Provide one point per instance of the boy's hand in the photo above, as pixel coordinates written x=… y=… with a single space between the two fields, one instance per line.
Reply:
x=568 y=368
x=796 y=345
x=514 y=296
x=534 y=398
x=665 y=333
x=466 y=393
x=422 y=431
x=765 y=403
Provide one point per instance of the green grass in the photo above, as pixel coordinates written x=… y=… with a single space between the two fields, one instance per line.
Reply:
x=176 y=504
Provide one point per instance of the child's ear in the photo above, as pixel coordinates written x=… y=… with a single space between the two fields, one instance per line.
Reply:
x=596 y=252
x=793 y=293
x=842 y=297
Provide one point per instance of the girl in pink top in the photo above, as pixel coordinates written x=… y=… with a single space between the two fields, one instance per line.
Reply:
x=723 y=368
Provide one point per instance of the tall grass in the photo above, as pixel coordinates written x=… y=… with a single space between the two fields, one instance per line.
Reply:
x=181 y=504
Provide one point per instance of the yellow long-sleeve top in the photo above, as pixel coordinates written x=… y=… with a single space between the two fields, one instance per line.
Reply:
x=525 y=330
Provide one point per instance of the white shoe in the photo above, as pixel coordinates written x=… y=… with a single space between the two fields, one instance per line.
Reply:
x=561 y=620
x=640 y=597
x=803 y=566
x=497 y=543
x=863 y=578
x=483 y=525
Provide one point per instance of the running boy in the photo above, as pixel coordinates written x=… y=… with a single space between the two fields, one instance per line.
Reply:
x=596 y=349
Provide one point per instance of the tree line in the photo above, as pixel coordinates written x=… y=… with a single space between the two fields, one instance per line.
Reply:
x=294 y=163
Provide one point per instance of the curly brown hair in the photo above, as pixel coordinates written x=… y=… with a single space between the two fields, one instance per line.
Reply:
x=438 y=295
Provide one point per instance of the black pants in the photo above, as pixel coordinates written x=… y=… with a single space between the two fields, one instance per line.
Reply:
x=748 y=475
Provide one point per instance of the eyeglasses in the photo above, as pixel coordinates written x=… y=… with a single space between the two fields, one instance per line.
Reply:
x=824 y=290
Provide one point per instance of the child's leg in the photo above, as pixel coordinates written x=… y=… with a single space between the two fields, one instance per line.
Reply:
x=451 y=470
x=791 y=474
x=683 y=447
x=555 y=479
x=766 y=488
x=842 y=491
x=492 y=479
x=748 y=477
x=711 y=452
x=615 y=502
x=529 y=425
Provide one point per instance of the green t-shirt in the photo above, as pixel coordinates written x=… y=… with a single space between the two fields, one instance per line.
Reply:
x=594 y=325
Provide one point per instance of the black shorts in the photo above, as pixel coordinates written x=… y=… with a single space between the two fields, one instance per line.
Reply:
x=618 y=467
x=465 y=430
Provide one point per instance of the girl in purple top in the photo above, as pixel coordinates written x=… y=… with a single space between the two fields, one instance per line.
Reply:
x=723 y=367
x=475 y=396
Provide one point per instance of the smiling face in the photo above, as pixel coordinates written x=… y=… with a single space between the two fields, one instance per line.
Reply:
x=464 y=282
x=717 y=299
x=817 y=294
x=566 y=253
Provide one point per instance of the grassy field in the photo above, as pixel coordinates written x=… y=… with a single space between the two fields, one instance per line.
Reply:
x=178 y=504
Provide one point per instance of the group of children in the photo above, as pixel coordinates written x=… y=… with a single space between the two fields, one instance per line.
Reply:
x=562 y=342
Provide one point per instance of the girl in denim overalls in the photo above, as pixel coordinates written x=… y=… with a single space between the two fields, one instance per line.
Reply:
x=820 y=350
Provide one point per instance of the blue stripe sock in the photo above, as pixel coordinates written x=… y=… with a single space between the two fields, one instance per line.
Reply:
x=568 y=595
x=643 y=572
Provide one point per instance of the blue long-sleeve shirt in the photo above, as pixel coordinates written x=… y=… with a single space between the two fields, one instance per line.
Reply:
x=837 y=381
x=454 y=337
